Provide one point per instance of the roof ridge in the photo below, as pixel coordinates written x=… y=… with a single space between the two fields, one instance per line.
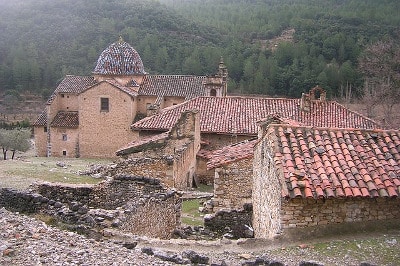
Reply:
x=375 y=130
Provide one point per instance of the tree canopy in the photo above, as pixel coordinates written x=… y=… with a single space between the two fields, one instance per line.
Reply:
x=43 y=40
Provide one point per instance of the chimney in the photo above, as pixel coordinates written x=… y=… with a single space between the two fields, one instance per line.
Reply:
x=305 y=102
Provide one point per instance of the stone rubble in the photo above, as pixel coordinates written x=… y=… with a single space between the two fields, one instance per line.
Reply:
x=26 y=241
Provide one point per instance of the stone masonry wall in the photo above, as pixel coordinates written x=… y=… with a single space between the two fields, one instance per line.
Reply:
x=160 y=168
x=233 y=185
x=266 y=194
x=297 y=213
x=184 y=167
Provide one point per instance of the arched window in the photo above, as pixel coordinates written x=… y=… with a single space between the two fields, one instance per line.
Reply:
x=213 y=92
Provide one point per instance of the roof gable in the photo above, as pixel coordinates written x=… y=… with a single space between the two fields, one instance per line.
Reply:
x=329 y=163
x=131 y=91
x=239 y=115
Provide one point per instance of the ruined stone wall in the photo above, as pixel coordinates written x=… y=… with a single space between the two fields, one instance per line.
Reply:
x=153 y=218
x=146 y=166
x=237 y=223
x=205 y=176
x=233 y=185
x=184 y=166
x=131 y=204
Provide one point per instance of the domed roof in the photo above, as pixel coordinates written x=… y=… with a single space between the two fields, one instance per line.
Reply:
x=119 y=59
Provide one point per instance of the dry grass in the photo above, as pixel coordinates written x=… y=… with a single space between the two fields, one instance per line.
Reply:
x=26 y=169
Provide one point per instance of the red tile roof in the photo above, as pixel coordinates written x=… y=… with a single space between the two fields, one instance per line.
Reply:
x=173 y=85
x=66 y=119
x=336 y=163
x=72 y=84
x=41 y=120
x=137 y=146
x=238 y=115
x=232 y=153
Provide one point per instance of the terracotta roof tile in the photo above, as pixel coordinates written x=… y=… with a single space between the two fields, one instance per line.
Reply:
x=41 y=120
x=173 y=85
x=350 y=162
x=137 y=146
x=66 y=119
x=231 y=153
x=72 y=84
x=239 y=115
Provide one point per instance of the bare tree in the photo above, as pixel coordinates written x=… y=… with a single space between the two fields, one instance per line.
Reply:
x=380 y=65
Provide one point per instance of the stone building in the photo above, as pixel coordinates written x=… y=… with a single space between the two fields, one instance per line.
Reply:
x=314 y=177
x=170 y=156
x=90 y=116
x=228 y=120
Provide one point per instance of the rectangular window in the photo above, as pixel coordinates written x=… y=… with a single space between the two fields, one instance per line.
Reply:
x=65 y=153
x=45 y=129
x=104 y=105
x=64 y=137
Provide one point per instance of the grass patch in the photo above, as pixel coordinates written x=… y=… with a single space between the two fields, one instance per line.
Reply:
x=190 y=213
x=21 y=173
x=205 y=188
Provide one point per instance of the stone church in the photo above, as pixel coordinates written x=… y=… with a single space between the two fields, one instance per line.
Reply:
x=90 y=116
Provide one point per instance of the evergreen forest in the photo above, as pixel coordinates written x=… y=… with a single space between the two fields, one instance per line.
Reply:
x=41 y=41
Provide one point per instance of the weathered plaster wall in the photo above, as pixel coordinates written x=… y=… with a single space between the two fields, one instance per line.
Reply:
x=103 y=133
x=40 y=141
x=67 y=102
x=70 y=145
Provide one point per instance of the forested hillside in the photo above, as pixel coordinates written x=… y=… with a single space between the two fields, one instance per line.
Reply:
x=43 y=40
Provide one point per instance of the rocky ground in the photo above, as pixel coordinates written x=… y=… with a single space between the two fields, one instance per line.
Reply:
x=27 y=241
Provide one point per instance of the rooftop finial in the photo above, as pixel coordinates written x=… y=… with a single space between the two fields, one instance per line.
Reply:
x=121 y=40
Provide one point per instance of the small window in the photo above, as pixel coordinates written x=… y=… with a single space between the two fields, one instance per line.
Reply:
x=45 y=129
x=64 y=137
x=64 y=153
x=213 y=93
x=104 y=105
x=62 y=95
